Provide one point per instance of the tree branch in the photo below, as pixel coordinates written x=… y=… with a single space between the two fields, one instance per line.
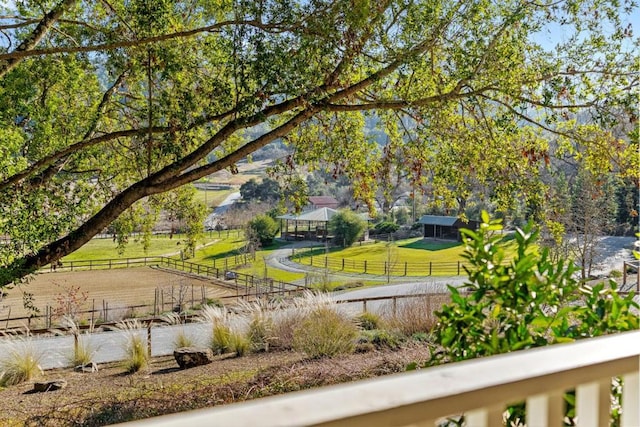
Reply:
x=9 y=61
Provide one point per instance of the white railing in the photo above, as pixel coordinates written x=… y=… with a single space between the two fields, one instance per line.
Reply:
x=481 y=389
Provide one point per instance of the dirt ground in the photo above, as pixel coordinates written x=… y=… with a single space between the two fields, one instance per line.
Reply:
x=110 y=396
x=118 y=288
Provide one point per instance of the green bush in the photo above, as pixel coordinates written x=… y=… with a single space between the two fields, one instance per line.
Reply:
x=346 y=227
x=523 y=302
x=380 y=338
x=265 y=229
x=368 y=321
x=386 y=227
x=325 y=333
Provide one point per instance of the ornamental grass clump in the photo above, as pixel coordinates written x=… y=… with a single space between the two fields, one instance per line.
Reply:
x=288 y=317
x=409 y=316
x=325 y=332
x=21 y=362
x=228 y=332
x=136 y=353
x=83 y=349
x=181 y=338
x=261 y=325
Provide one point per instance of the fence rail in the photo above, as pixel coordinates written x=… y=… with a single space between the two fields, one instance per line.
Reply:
x=382 y=268
x=246 y=287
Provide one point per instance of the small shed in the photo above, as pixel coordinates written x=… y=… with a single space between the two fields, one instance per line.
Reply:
x=445 y=227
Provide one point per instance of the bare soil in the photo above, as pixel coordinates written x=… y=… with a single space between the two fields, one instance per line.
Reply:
x=110 y=396
x=117 y=287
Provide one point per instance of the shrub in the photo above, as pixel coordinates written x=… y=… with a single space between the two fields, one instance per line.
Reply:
x=137 y=356
x=346 y=227
x=325 y=333
x=380 y=338
x=368 y=321
x=287 y=318
x=524 y=302
x=265 y=229
x=20 y=363
x=386 y=227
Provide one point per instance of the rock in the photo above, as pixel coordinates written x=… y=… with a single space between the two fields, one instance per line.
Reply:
x=188 y=357
x=53 y=385
x=88 y=367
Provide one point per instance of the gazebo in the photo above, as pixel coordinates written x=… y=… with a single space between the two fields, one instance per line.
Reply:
x=310 y=225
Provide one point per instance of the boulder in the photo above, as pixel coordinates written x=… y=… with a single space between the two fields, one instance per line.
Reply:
x=40 y=387
x=188 y=357
x=87 y=367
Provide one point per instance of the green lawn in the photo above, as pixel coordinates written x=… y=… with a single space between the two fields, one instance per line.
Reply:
x=212 y=198
x=411 y=250
x=106 y=248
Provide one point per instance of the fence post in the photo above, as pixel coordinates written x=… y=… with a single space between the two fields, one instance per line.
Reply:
x=149 y=337
x=394 y=301
x=365 y=266
x=405 y=268
x=430 y=265
x=326 y=259
x=458 y=268
x=364 y=305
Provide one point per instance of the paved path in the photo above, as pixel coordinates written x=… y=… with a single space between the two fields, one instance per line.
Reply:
x=279 y=259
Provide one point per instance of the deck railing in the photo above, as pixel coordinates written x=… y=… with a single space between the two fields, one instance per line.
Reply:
x=481 y=389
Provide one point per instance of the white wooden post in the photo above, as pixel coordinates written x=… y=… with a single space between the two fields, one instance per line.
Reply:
x=593 y=402
x=546 y=410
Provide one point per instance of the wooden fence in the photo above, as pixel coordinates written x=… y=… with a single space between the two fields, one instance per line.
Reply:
x=382 y=268
x=246 y=286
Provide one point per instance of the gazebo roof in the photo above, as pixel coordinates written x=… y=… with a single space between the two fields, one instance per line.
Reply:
x=318 y=215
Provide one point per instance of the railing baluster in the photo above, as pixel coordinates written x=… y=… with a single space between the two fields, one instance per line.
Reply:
x=630 y=400
x=592 y=403
x=485 y=417
x=546 y=410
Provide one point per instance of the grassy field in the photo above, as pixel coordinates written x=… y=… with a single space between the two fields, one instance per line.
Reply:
x=415 y=250
x=106 y=248
x=212 y=198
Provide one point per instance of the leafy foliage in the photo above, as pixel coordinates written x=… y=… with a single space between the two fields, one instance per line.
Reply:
x=264 y=228
x=528 y=301
x=347 y=227
x=105 y=106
